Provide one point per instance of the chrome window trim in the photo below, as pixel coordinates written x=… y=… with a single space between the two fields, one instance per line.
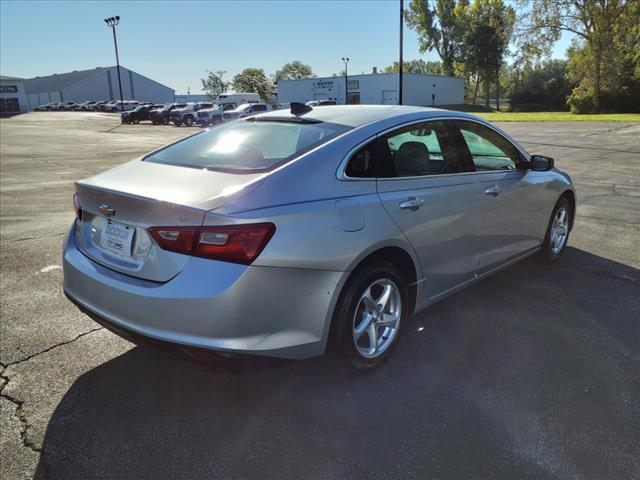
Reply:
x=342 y=167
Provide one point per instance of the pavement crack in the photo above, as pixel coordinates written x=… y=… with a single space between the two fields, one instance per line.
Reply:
x=36 y=237
x=66 y=342
x=24 y=423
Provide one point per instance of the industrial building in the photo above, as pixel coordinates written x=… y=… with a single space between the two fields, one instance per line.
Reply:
x=13 y=98
x=376 y=88
x=100 y=83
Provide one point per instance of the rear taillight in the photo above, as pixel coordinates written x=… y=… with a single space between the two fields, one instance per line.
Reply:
x=232 y=243
x=77 y=207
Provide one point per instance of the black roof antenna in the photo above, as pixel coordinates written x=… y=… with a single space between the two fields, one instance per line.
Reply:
x=299 y=108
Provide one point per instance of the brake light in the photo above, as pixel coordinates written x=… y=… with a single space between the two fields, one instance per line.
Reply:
x=76 y=207
x=231 y=243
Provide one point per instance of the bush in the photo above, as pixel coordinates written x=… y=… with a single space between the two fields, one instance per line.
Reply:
x=623 y=100
x=581 y=100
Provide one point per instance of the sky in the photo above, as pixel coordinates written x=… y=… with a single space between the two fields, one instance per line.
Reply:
x=176 y=42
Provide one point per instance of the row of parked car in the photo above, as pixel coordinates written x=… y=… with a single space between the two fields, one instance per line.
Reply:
x=92 y=106
x=189 y=114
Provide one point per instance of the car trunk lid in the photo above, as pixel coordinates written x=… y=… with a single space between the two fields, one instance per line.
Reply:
x=120 y=205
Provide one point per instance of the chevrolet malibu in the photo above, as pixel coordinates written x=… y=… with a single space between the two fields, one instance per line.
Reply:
x=288 y=232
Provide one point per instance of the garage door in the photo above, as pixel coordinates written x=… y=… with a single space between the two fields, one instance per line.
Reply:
x=390 y=97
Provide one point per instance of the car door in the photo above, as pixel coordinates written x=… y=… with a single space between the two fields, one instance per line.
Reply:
x=426 y=187
x=514 y=196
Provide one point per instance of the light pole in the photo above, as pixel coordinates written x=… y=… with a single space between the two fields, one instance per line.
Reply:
x=112 y=22
x=400 y=64
x=346 y=80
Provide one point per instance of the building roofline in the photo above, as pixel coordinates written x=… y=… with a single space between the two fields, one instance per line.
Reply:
x=373 y=75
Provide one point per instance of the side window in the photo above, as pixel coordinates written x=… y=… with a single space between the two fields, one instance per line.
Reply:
x=259 y=108
x=418 y=150
x=362 y=163
x=488 y=149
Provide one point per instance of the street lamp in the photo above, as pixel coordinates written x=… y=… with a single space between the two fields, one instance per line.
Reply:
x=346 y=81
x=400 y=63
x=112 y=22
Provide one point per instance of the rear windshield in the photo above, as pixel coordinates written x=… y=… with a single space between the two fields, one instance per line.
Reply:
x=247 y=146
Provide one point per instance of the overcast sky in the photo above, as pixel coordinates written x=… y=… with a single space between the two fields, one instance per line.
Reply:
x=175 y=42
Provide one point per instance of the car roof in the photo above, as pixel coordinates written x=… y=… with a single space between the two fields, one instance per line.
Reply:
x=358 y=115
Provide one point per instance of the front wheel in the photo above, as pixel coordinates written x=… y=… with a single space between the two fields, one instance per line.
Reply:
x=558 y=231
x=369 y=315
x=188 y=121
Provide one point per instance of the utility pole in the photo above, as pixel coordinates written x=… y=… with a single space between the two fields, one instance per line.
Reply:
x=112 y=22
x=346 y=80
x=400 y=64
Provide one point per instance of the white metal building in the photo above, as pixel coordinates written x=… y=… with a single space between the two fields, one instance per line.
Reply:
x=376 y=88
x=13 y=98
x=100 y=83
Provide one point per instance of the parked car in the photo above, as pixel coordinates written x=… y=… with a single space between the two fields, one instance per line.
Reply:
x=107 y=106
x=212 y=116
x=68 y=105
x=117 y=106
x=187 y=115
x=321 y=103
x=281 y=232
x=138 y=114
x=45 y=107
x=83 y=106
x=98 y=105
x=245 y=110
x=161 y=116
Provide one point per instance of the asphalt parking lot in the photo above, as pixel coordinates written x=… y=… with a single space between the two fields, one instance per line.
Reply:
x=533 y=372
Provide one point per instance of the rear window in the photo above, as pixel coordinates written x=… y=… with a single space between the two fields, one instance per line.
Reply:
x=247 y=146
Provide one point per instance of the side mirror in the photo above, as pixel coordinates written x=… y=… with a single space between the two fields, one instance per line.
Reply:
x=540 y=163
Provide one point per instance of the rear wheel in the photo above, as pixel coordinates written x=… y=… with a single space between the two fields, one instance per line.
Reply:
x=558 y=231
x=188 y=121
x=369 y=315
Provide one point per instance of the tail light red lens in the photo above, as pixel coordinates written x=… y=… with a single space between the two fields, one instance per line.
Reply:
x=231 y=243
x=77 y=207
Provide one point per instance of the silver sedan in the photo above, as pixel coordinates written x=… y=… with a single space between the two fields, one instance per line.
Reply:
x=285 y=232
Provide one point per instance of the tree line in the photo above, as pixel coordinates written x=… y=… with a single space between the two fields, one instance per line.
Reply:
x=255 y=80
x=503 y=49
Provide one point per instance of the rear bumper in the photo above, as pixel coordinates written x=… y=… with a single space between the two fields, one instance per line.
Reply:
x=220 y=306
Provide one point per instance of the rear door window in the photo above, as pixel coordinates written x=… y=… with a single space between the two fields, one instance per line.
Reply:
x=419 y=150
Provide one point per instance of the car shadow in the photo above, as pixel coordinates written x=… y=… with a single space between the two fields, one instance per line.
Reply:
x=531 y=372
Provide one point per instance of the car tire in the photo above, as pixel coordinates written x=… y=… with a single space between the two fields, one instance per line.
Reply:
x=358 y=318
x=558 y=230
x=216 y=120
x=136 y=121
x=165 y=121
x=188 y=121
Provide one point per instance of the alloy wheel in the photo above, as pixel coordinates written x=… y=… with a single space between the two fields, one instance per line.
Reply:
x=377 y=318
x=559 y=231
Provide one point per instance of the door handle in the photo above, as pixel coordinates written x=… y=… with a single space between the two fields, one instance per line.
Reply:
x=412 y=203
x=493 y=190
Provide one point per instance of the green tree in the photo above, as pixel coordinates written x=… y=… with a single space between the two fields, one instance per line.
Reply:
x=488 y=31
x=253 y=80
x=295 y=70
x=439 y=28
x=620 y=75
x=416 y=66
x=543 y=86
x=592 y=21
x=214 y=85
